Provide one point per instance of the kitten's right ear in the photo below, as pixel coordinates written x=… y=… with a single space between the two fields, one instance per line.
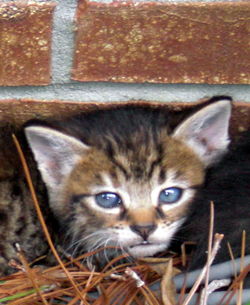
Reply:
x=55 y=153
x=206 y=131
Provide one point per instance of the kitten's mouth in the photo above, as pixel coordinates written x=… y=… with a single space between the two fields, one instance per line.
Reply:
x=144 y=243
x=145 y=249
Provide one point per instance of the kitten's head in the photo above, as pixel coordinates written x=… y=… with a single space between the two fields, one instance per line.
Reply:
x=130 y=184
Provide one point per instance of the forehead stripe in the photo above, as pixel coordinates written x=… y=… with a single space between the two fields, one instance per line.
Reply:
x=121 y=168
x=153 y=166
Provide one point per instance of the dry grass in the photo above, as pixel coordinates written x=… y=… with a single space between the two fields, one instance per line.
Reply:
x=122 y=284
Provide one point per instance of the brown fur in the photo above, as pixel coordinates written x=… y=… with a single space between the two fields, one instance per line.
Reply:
x=18 y=224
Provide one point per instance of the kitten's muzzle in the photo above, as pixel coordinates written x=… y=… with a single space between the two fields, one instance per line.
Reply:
x=144 y=231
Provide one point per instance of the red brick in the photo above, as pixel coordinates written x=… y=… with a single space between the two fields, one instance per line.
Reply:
x=25 y=43
x=17 y=112
x=163 y=42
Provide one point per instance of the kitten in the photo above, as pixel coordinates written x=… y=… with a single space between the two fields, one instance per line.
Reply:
x=227 y=184
x=122 y=177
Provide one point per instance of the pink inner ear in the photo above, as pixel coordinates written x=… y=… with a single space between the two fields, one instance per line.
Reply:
x=213 y=136
x=209 y=145
x=54 y=170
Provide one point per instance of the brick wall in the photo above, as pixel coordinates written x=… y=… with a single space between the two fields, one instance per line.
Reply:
x=119 y=51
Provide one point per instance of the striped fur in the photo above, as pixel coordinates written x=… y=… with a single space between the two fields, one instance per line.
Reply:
x=134 y=153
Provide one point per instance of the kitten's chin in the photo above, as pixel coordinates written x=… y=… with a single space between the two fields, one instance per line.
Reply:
x=143 y=250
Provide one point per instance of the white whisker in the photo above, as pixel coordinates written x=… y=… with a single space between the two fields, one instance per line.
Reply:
x=77 y=241
x=105 y=249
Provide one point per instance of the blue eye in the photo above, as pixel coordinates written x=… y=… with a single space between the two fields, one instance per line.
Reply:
x=108 y=200
x=170 y=195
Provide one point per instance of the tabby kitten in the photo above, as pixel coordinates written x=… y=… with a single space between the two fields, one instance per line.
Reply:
x=123 y=177
x=119 y=178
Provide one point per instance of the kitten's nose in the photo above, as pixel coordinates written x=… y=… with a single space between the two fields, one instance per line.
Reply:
x=144 y=230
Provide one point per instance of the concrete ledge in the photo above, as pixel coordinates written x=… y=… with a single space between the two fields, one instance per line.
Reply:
x=109 y=92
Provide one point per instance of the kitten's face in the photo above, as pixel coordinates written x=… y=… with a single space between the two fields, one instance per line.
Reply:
x=131 y=186
x=135 y=200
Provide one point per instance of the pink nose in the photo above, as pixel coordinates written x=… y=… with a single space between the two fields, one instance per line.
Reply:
x=144 y=230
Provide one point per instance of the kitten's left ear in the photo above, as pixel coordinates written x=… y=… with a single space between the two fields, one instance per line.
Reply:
x=55 y=152
x=206 y=131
